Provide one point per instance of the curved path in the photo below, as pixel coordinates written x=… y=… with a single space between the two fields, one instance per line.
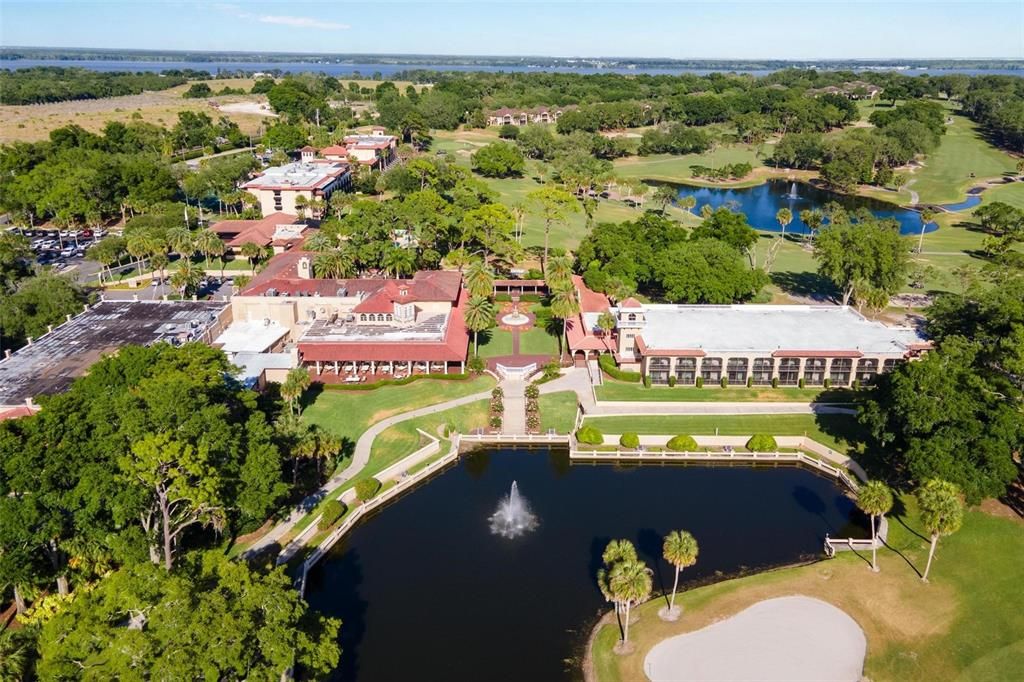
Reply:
x=915 y=198
x=360 y=457
x=788 y=638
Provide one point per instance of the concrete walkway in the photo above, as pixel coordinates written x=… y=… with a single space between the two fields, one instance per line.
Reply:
x=783 y=639
x=514 y=418
x=620 y=408
x=360 y=457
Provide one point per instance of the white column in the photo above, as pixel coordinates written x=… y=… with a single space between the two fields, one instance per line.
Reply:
x=462 y=367
x=373 y=367
x=318 y=368
x=446 y=367
x=337 y=369
x=408 y=367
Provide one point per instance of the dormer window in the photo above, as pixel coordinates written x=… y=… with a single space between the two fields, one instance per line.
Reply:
x=403 y=292
x=631 y=317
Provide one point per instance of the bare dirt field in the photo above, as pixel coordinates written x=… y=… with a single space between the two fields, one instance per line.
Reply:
x=34 y=122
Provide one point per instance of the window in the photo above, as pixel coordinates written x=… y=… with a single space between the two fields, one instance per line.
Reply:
x=867 y=369
x=789 y=371
x=686 y=371
x=660 y=363
x=659 y=376
x=840 y=372
x=277 y=200
x=763 y=369
x=889 y=365
x=737 y=370
x=711 y=369
x=631 y=317
x=814 y=371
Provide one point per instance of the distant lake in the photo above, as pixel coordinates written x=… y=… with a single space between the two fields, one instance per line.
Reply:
x=389 y=70
x=761 y=203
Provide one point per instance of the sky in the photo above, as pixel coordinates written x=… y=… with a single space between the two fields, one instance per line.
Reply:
x=754 y=29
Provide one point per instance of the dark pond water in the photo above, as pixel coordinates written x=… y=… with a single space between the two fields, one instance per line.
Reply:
x=762 y=202
x=426 y=592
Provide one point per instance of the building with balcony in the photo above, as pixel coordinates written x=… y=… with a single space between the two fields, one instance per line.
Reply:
x=278 y=187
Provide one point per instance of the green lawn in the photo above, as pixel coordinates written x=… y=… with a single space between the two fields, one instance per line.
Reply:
x=946 y=174
x=403 y=439
x=1012 y=194
x=537 y=342
x=833 y=430
x=617 y=390
x=495 y=342
x=558 y=411
x=965 y=624
x=348 y=413
x=673 y=168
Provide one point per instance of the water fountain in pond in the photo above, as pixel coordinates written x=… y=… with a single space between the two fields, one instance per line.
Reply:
x=513 y=516
x=792 y=192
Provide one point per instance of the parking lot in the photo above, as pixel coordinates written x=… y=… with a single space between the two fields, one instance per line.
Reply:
x=64 y=251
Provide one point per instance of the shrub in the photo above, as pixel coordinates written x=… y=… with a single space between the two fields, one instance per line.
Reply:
x=724 y=382
x=856 y=384
x=330 y=513
x=700 y=382
x=533 y=421
x=532 y=392
x=607 y=364
x=671 y=381
x=629 y=440
x=762 y=442
x=508 y=132
x=681 y=443
x=495 y=421
x=590 y=435
x=801 y=382
x=476 y=364
x=775 y=382
x=750 y=382
x=647 y=381
x=394 y=382
x=497 y=393
x=828 y=383
x=552 y=370
x=366 y=488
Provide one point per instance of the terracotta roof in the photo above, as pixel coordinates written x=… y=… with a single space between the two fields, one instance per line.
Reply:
x=238 y=232
x=590 y=301
x=630 y=304
x=17 y=412
x=580 y=338
x=308 y=148
x=334 y=150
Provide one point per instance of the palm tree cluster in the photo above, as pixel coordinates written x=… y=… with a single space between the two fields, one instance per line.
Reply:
x=565 y=302
x=480 y=309
x=624 y=580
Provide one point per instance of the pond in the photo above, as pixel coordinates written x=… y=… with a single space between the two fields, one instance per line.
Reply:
x=762 y=203
x=427 y=591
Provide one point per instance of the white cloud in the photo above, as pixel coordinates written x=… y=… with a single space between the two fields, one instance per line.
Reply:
x=281 y=20
x=301 y=22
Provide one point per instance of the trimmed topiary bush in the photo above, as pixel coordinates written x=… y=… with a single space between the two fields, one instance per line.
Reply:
x=476 y=364
x=629 y=440
x=700 y=382
x=801 y=382
x=856 y=384
x=607 y=364
x=647 y=382
x=366 y=488
x=332 y=511
x=672 y=381
x=590 y=435
x=495 y=421
x=762 y=442
x=724 y=382
x=681 y=443
x=775 y=382
x=750 y=382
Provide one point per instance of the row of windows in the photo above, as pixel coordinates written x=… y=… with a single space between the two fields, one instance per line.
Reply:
x=375 y=317
x=737 y=370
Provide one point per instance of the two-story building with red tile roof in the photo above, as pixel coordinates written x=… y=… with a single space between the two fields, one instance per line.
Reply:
x=757 y=344
x=367 y=324
x=280 y=231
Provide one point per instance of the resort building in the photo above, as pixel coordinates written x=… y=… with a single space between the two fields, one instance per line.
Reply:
x=278 y=187
x=279 y=231
x=850 y=90
x=357 y=327
x=762 y=344
x=376 y=150
x=522 y=117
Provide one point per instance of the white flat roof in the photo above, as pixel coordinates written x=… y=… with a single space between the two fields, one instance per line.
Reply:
x=253 y=364
x=250 y=336
x=767 y=328
x=299 y=175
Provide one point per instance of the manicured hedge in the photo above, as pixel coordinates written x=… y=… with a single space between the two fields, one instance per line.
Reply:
x=681 y=443
x=762 y=442
x=629 y=440
x=330 y=513
x=394 y=382
x=590 y=435
x=608 y=365
x=366 y=488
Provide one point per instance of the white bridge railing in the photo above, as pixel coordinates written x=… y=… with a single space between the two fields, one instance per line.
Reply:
x=516 y=373
x=514 y=438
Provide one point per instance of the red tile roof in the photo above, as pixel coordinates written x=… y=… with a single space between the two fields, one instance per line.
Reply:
x=17 y=412
x=631 y=304
x=238 y=232
x=334 y=150
x=590 y=301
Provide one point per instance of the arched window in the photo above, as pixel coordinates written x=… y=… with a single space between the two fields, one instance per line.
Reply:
x=631 y=317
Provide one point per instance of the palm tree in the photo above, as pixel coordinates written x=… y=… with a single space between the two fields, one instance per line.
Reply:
x=295 y=384
x=139 y=244
x=606 y=323
x=399 y=261
x=181 y=241
x=206 y=242
x=159 y=261
x=629 y=583
x=679 y=549
x=186 y=277
x=664 y=195
x=874 y=498
x=688 y=202
x=301 y=204
x=479 y=279
x=479 y=315
x=253 y=252
x=320 y=242
x=813 y=219
x=927 y=216
x=335 y=263
x=785 y=217
x=559 y=272
x=942 y=512
x=564 y=305
x=616 y=551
